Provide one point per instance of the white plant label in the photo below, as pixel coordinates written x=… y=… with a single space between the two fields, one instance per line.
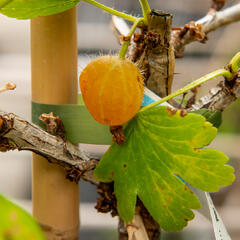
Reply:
x=218 y=225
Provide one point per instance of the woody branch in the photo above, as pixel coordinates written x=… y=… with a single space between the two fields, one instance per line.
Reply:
x=19 y=134
x=197 y=31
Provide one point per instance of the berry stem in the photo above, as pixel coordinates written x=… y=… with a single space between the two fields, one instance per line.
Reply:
x=111 y=10
x=235 y=63
x=145 y=10
x=126 y=43
x=196 y=83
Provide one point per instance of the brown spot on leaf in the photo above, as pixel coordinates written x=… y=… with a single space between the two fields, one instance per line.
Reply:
x=13 y=216
x=205 y=166
x=124 y=165
x=186 y=188
x=164 y=206
x=196 y=150
x=8 y=234
x=171 y=111
x=153 y=189
x=183 y=112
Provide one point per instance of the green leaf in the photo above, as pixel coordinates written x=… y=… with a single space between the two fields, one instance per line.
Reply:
x=161 y=146
x=214 y=117
x=25 y=9
x=16 y=224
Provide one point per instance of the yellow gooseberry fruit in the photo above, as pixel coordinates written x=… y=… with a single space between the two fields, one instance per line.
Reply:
x=112 y=89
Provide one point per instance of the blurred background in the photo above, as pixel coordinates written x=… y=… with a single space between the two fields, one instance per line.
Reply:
x=95 y=37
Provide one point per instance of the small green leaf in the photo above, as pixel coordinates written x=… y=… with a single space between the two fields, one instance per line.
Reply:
x=26 y=9
x=16 y=224
x=160 y=147
x=214 y=117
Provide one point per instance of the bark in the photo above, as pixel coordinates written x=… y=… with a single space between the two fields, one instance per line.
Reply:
x=197 y=31
x=219 y=19
x=18 y=134
x=159 y=55
x=153 y=52
x=220 y=97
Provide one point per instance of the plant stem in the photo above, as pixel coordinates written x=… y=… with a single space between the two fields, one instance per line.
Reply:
x=125 y=45
x=145 y=10
x=111 y=10
x=235 y=62
x=196 y=83
x=2 y=5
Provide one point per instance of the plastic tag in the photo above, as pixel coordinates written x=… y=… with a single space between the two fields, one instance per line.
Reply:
x=150 y=97
x=218 y=225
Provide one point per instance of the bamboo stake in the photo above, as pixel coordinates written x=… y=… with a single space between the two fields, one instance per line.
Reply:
x=54 y=81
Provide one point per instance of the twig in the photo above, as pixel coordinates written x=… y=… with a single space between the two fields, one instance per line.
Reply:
x=212 y=21
x=8 y=86
x=219 y=97
x=219 y=19
x=16 y=133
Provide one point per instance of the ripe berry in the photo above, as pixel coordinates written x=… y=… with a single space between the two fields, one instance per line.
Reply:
x=112 y=89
